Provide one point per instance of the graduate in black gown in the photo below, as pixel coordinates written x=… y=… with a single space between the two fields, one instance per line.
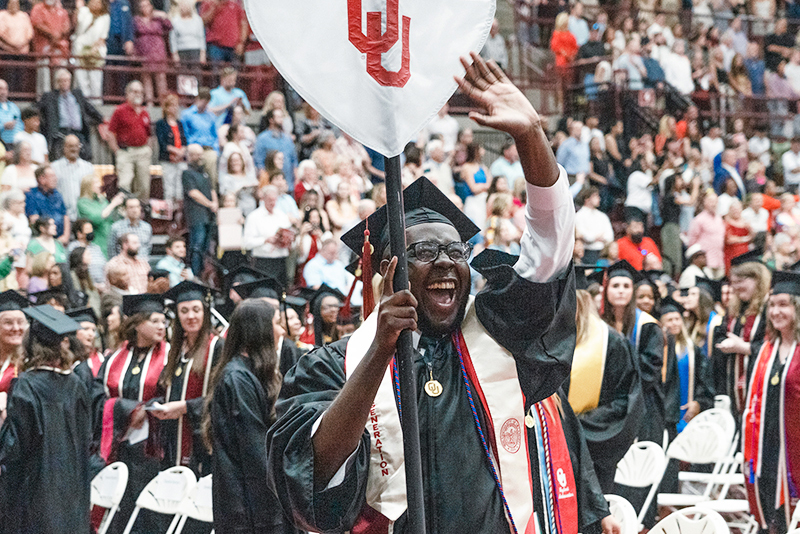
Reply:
x=240 y=409
x=45 y=439
x=89 y=365
x=604 y=390
x=742 y=330
x=770 y=426
x=125 y=385
x=270 y=290
x=335 y=452
x=184 y=382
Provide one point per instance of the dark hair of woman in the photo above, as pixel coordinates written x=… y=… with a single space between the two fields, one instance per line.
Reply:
x=307 y=217
x=38 y=354
x=473 y=153
x=39 y=225
x=127 y=331
x=251 y=334
x=269 y=161
x=81 y=271
x=630 y=311
x=176 y=347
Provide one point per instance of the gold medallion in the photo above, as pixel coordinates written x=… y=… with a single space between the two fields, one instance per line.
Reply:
x=529 y=421
x=775 y=379
x=178 y=371
x=136 y=371
x=433 y=388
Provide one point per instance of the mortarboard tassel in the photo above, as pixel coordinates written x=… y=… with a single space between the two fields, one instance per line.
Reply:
x=368 y=296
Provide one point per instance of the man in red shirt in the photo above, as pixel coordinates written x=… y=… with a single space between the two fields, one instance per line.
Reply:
x=227 y=30
x=130 y=141
x=633 y=246
x=51 y=27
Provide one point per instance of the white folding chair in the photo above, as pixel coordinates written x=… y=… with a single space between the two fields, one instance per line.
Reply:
x=107 y=489
x=795 y=519
x=692 y=521
x=197 y=505
x=701 y=443
x=642 y=466
x=623 y=511
x=164 y=494
x=723 y=402
x=725 y=473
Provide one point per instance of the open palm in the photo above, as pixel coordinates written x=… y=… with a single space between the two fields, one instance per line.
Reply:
x=507 y=109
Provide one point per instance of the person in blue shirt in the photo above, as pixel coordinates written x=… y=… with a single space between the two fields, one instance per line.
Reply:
x=200 y=128
x=44 y=201
x=573 y=155
x=227 y=96
x=120 y=32
x=755 y=68
x=10 y=117
x=274 y=138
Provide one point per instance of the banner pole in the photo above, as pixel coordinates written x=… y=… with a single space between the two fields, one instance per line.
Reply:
x=405 y=353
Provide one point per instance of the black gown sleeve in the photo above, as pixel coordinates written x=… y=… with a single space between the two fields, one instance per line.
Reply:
x=672 y=385
x=719 y=360
x=703 y=386
x=533 y=321
x=592 y=505
x=308 y=390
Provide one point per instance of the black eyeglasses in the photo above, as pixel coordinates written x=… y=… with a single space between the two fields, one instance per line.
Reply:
x=427 y=251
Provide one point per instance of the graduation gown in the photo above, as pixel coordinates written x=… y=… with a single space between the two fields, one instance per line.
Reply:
x=240 y=418
x=182 y=438
x=123 y=384
x=613 y=414
x=694 y=380
x=771 y=437
x=456 y=474
x=44 y=455
x=730 y=370
x=289 y=355
x=648 y=342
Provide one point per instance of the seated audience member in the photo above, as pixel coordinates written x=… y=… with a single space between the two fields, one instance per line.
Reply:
x=174 y=262
x=131 y=224
x=20 y=175
x=130 y=261
x=634 y=246
x=44 y=200
x=85 y=238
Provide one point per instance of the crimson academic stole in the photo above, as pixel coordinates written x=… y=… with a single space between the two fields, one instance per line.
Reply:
x=786 y=492
x=741 y=361
x=8 y=373
x=492 y=381
x=194 y=386
x=116 y=369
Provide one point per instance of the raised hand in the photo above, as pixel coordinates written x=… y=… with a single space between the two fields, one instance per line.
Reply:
x=507 y=108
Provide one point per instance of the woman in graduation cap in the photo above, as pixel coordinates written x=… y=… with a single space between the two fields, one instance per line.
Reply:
x=185 y=380
x=12 y=330
x=45 y=441
x=770 y=426
x=87 y=337
x=125 y=384
x=646 y=339
x=604 y=390
x=742 y=331
x=240 y=409
x=702 y=316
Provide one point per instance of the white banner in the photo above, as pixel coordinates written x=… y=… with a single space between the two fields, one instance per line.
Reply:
x=378 y=69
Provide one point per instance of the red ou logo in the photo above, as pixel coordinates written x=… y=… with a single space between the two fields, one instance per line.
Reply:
x=375 y=43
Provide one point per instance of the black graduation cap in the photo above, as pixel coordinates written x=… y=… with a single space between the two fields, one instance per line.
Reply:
x=11 y=300
x=242 y=275
x=315 y=295
x=48 y=325
x=712 y=287
x=669 y=305
x=747 y=257
x=423 y=203
x=43 y=297
x=83 y=315
x=144 y=303
x=268 y=288
x=298 y=303
x=155 y=274
x=623 y=268
x=786 y=282
x=187 y=291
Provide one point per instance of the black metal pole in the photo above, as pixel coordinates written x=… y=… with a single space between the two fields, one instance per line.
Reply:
x=405 y=353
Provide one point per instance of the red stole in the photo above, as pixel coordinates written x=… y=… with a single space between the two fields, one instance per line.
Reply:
x=741 y=361
x=8 y=373
x=194 y=386
x=95 y=361
x=753 y=440
x=151 y=368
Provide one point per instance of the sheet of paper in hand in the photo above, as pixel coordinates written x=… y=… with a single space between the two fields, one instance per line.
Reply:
x=378 y=69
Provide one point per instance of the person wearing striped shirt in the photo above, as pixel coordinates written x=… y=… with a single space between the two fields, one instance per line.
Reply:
x=70 y=171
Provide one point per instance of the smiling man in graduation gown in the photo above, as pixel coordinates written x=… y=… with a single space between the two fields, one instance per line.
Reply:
x=483 y=366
